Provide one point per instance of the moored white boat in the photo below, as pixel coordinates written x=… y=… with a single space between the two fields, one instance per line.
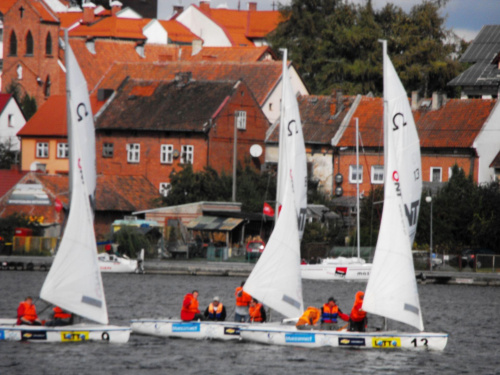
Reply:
x=118 y=264
x=337 y=269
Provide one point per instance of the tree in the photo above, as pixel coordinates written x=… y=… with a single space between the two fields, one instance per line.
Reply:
x=9 y=224
x=7 y=155
x=334 y=45
x=26 y=102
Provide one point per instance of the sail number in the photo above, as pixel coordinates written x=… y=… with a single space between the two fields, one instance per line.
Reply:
x=81 y=111
x=423 y=342
x=398 y=121
x=292 y=124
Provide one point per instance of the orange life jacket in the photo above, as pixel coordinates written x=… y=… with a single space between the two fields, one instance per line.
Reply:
x=243 y=298
x=254 y=313
x=311 y=316
x=60 y=314
x=357 y=313
x=29 y=312
x=189 y=307
x=330 y=314
x=214 y=313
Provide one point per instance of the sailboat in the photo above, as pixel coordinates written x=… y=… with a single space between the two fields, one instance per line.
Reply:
x=342 y=268
x=74 y=281
x=391 y=291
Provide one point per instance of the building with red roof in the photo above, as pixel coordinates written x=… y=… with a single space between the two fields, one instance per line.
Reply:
x=11 y=121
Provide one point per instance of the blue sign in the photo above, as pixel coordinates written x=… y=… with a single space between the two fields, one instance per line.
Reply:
x=186 y=327
x=300 y=337
x=352 y=341
x=2 y=334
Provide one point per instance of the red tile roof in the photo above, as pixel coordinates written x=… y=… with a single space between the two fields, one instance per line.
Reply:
x=235 y=54
x=49 y=120
x=260 y=77
x=112 y=27
x=5 y=5
x=261 y=23
x=69 y=19
x=496 y=161
x=46 y=14
x=177 y=32
x=4 y=99
x=8 y=178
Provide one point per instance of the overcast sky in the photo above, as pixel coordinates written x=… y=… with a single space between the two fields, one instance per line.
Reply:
x=465 y=17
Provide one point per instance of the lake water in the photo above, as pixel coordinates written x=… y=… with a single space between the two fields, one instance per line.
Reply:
x=470 y=314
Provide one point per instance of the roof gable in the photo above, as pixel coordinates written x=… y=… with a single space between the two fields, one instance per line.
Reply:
x=49 y=120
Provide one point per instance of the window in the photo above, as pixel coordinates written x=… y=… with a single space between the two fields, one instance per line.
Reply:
x=133 y=152
x=377 y=174
x=48 y=44
x=62 y=150
x=165 y=188
x=47 y=86
x=240 y=119
x=496 y=177
x=13 y=44
x=10 y=124
x=167 y=154
x=107 y=150
x=355 y=174
x=187 y=154
x=42 y=150
x=29 y=44
x=436 y=174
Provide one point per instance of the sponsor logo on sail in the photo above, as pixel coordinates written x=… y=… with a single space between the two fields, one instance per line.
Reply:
x=34 y=335
x=300 y=337
x=232 y=331
x=340 y=271
x=386 y=342
x=352 y=341
x=186 y=327
x=74 y=336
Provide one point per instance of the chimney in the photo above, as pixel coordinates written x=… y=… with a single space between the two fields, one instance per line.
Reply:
x=252 y=5
x=205 y=5
x=436 y=98
x=414 y=100
x=178 y=9
x=116 y=6
x=197 y=45
x=88 y=12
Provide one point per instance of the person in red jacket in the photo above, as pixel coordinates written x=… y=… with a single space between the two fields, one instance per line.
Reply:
x=26 y=313
x=190 y=309
x=60 y=318
x=357 y=321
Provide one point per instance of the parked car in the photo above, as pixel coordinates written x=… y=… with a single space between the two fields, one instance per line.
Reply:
x=255 y=248
x=421 y=259
x=471 y=256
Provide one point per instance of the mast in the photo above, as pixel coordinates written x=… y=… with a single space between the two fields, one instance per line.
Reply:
x=68 y=113
x=357 y=187
x=282 y=139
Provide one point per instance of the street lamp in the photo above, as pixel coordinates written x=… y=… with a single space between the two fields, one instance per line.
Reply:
x=428 y=199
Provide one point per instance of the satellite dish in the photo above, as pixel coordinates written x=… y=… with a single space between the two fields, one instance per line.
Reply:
x=256 y=150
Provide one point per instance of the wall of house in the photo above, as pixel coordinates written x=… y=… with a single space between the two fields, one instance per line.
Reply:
x=322 y=168
x=53 y=164
x=203 y=27
x=31 y=72
x=11 y=121
x=155 y=33
x=487 y=144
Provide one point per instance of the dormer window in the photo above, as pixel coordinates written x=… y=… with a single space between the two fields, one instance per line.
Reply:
x=29 y=44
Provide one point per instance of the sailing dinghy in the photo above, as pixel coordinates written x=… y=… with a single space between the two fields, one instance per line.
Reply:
x=74 y=281
x=392 y=288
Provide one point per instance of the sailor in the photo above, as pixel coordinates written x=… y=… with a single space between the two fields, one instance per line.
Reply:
x=358 y=321
x=190 y=309
x=26 y=313
x=330 y=312
x=60 y=318
x=242 y=302
x=256 y=312
x=216 y=310
x=309 y=318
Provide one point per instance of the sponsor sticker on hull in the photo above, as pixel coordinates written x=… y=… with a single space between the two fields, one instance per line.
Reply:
x=352 y=341
x=386 y=342
x=232 y=331
x=33 y=335
x=74 y=336
x=2 y=334
x=186 y=327
x=300 y=338
x=341 y=271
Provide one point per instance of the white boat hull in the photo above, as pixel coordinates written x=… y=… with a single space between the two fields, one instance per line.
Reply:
x=72 y=333
x=349 y=271
x=345 y=339
x=197 y=330
x=114 y=264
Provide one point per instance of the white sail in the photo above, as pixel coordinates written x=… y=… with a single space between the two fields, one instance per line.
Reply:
x=275 y=279
x=292 y=152
x=74 y=281
x=392 y=288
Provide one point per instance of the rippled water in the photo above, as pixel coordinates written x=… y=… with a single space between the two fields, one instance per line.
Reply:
x=468 y=313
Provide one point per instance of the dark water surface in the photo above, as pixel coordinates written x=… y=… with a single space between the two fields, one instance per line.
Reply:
x=470 y=314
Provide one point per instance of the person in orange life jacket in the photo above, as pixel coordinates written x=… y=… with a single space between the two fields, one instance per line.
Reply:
x=309 y=318
x=256 y=312
x=26 y=313
x=216 y=311
x=242 y=302
x=358 y=320
x=190 y=309
x=60 y=318
x=330 y=312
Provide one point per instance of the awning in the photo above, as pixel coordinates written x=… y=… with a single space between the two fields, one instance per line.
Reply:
x=214 y=223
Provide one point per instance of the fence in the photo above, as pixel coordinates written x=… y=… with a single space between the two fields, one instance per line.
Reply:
x=31 y=245
x=452 y=262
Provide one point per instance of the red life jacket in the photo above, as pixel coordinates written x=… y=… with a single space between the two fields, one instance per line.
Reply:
x=243 y=298
x=60 y=314
x=329 y=315
x=189 y=307
x=357 y=314
x=26 y=311
x=254 y=313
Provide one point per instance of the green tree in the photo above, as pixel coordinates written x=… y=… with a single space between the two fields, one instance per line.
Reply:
x=9 y=224
x=26 y=102
x=7 y=156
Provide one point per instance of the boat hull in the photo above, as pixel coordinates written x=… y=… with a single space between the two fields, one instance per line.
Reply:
x=117 y=265
x=359 y=272
x=72 y=333
x=197 y=330
x=345 y=339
